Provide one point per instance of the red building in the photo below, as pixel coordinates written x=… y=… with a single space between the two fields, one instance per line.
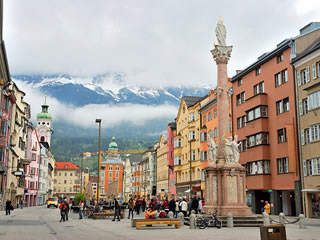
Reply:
x=171 y=132
x=264 y=118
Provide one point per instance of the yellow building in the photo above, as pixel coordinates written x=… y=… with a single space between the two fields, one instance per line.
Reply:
x=307 y=70
x=66 y=179
x=162 y=168
x=85 y=179
x=187 y=146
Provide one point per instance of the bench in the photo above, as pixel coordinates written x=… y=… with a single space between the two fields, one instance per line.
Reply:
x=138 y=222
x=102 y=215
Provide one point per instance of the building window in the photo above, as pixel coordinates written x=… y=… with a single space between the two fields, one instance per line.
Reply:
x=215 y=113
x=65 y=174
x=216 y=132
x=240 y=82
x=59 y=174
x=193 y=155
x=117 y=168
x=177 y=160
x=258 y=71
x=241 y=98
x=192 y=135
x=178 y=142
x=282 y=106
x=280 y=58
x=258 y=88
x=4 y=127
x=314 y=100
x=314 y=132
x=71 y=174
x=312 y=167
x=110 y=177
x=65 y=181
x=303 y=106
x=258 y=167
x=203 y=137
x=282 y=135
x=204 y=119
x=70 y=181
x=209 y=116
x=281 y=77
x=64 y=189
x=283 y=166
x=243 y=145
x=204 y=156
x=258 y=139
x=258 y=112
x=192 y=117
x=110 y=168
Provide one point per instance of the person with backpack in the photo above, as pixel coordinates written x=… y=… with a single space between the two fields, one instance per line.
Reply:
x=68 y=209
x=63 y=209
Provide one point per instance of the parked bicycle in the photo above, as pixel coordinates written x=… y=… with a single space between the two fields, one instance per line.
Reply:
x=213 y=221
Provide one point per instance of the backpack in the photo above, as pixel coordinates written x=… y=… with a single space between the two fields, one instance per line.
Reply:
x=162 y=214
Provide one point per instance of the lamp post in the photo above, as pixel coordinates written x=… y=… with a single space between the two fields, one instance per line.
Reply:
x=81 y=172
x=99 y=161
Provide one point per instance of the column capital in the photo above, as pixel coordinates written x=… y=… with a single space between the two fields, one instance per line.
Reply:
x=221 y=54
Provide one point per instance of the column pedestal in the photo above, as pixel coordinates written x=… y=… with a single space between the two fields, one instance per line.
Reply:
x=226 y=190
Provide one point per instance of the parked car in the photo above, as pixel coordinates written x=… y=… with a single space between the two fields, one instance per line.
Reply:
x=53 y=201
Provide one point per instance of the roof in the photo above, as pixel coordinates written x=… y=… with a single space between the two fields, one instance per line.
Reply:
x=213 y=100
x=66 y=166
x=311 y=48
x=264 y=58
x=113 y=161
x=135 y=158
x=191 y=100
x=93 y=179
x=173 y=125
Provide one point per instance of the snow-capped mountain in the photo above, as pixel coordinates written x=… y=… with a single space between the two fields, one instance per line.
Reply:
x=106 y=88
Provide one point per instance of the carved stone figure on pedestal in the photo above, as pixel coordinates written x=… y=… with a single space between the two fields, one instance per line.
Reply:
x=221 y=33
x=235 y=149
x=212 y=150
x=228 y=150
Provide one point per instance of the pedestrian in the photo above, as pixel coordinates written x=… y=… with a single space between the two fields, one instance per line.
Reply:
x=195 y=204
x=172 y=206
x=184 y=207
x=63 y=209
x=21 y=203
x=200 y=205
x=166 y=205
x=267 y=207
x=143 y=205
x=81 y=206
x=116 y=210
x=138 y=205
x=131 y=207
x=67 y=209
x=9 y=207
x=177 y=208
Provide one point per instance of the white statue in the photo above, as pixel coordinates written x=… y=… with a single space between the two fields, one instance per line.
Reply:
x=228 y=150
x=212 y=150
x=235 y=149
x=221 y=33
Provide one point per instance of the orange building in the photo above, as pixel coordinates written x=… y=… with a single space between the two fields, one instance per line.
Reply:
x=112 y=173
x=264 y=117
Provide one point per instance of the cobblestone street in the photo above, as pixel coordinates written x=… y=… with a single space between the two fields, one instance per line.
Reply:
x=43 y=223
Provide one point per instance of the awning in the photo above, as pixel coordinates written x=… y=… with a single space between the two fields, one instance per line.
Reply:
x=310 y=190
x=187 y=191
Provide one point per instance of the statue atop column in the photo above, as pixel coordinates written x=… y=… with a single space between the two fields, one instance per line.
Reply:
x=221 y=32
x=232 y=152
x=235 y=148
x=212 y=150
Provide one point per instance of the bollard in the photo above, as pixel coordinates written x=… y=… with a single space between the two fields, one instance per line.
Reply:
x=229 y=220
x=266 y=219
x=170 y=215
x=193 y=212
x=281 y=218
x=181 y=218
x=192 y=221
x=302 y=223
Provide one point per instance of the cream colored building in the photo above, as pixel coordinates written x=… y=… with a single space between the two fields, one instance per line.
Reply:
x=17 y=154
x=66 y=179
x=162 y=168
x=307 y=70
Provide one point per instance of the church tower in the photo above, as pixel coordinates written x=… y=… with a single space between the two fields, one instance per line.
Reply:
x=44 y=120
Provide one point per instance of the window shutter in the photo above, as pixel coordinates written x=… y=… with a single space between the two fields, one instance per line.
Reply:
x=307 y=75
x=314 y=71
x=305 y=172
x=300 y=108
x=298 y=78
x=302 y=137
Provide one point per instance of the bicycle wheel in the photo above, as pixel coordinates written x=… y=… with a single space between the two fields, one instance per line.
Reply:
x=201 y=224
x=218 y=224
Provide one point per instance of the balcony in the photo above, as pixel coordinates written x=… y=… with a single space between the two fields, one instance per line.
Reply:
x=256 y=100
x=255 y=153
x=256 y=182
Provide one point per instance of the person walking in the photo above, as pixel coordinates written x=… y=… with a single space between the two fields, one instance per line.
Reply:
x=172 y=206
x=81 y=206
x=267 y=207
x=67 y=208
x=184 y=207
x=166 y=205
x=9 y=207
x=131 y=207
x=21 y=203
x=63 y=209
x=116 y=210
x=138 y=205
x=200 y=205
x=195 y=204
x=143 y=205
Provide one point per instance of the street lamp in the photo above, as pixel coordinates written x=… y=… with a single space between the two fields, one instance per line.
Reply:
x=99 y=161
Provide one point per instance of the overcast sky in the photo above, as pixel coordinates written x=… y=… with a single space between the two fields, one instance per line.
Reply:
x=155 y=42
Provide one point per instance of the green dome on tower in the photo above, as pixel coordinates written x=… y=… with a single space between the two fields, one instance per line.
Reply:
x=44 y=113
x=113 y=145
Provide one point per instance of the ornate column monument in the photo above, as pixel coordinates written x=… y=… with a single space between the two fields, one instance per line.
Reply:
x=225 y=177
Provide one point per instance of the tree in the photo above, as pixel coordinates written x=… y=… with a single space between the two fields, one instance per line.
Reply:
x=79 y=197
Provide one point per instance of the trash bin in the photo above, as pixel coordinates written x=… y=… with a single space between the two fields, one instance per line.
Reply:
x=273 y=232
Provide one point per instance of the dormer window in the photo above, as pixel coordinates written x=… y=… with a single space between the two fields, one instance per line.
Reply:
x=66 y=166
x=43 y=123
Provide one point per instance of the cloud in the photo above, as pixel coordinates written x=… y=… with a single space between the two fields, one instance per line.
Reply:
x=164 y=43
x=111 y=115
